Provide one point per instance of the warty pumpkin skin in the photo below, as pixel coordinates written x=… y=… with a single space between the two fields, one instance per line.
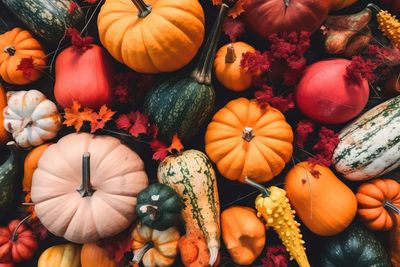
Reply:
x=3 y=103
x=243 y=234
x=244 y=139
x=161 y=39
x=95 y=179
x=379 y=203
x=16 y=45
x=227 y=66
x=324 y=204
x=94 y=256
x=67 y=255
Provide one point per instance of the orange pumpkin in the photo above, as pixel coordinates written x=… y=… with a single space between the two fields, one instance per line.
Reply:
x=379 y=203
x=16 y=45
x=243 y=234
x=94 y=256
x=30 y=165
x=227 y=66
x=3 y=104
x=323 y=202
x=339 y=4
x=158 y=36
x=244 y=139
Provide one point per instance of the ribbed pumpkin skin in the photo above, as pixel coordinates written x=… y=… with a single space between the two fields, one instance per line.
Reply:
x=324 y=204
x=261 y=158
x=165 y=40
x=95 y=256
x=369 y=146
x=25 y=47
x=3 y=103
x=46 y=18
x=68 y=255
x=180 y=106
x=231 y=75
x=371 y=197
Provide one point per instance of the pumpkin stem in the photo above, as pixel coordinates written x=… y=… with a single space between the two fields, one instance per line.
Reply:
x=286 y=3
x=14 y=236
x=248 y=134
x=374 y=7
x=144 y=9
x=86 y=189
x=263 y=190
x=230 y=56
x=151 y=210
x=139 y=253
x=10 y=50
x=391 y=207
x=202 y=73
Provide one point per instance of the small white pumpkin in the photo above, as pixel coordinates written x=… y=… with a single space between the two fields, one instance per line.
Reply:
x=31 y=118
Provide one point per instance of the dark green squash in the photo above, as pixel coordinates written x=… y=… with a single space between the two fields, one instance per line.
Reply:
x=182 y=106
x=355 y=247
x=159 y=206
x=8 y=174
x=46 y=18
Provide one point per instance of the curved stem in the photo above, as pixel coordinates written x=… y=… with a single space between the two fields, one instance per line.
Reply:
x=139 y=253
x=151 y=210
x=374 y=7
x=10 y=50
x=144 y=9
x=263 y=190
x=230 y=56
x=287 y=2
x=14 y=236
x=202 y=73
x=391 y=207
x=248 y=134
x=86 y=189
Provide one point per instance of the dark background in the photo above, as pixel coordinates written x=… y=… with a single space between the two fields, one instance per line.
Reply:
x=231 y=193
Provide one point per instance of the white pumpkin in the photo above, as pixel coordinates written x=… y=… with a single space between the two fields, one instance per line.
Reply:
x=31 y=118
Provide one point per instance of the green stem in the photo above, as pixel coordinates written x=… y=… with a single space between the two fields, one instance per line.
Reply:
x=202 y=73
x=144 y=9
x=374 y=7
x=86 y=189
x=152 y=210
x=264 y=191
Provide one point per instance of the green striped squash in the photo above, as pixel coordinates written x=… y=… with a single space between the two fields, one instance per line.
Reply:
x=180 y=106
x=192 y=176
x=370 y=146
x=9 y=175
x=46 y=18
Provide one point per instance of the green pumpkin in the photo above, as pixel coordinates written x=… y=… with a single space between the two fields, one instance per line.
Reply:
x=159 y=206
x=182 y=106
x=355 y=247
x=45 y=18
x=8 y=174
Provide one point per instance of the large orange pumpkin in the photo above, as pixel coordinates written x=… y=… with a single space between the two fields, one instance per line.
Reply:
x=379 y=203
x=244 y=139
x=323 y=202
x=160 y=36
x=16 y=45
x=85 y=187
x=3 y=104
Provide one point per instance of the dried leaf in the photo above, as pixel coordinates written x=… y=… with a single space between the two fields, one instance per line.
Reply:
x=75 y=117
x=233 y=28
x=159 y=149
x=77 y=40
x=176 y=144
x=135 y=123
x=276 y=256
x=27 y=66
x=324 y=147
x=100 y=119
x=303 y=129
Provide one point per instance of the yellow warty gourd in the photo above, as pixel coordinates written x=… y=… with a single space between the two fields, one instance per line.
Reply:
x=274 y=207
x=390 y=26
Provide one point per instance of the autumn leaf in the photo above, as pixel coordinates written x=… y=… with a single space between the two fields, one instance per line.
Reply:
x=100 y=119
x=159 y=149
x=77 y=40
x=135 y=123
x=235 y=11
x=176 y=144
x=72 y=7
x=38 y=229
x=75 y=117
x=233 y=28
x=27 y=66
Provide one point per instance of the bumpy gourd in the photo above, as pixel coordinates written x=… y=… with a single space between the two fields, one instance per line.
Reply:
x=274 y=207
x=388 y=24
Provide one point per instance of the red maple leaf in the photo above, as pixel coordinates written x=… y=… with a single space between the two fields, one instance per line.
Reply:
x=72 y=7
x=77 y=40
x=159 y=148
x=233 y=28
x=100 y=119
x=303 y=129
x=27 y=67
x=275 y=256
x=135 y=123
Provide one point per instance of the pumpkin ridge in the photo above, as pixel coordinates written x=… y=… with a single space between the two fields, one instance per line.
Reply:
x=146 y=49
x=105 y=155
x=267 y=158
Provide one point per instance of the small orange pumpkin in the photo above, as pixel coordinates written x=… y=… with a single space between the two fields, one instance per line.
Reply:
x=16 y=45
x=30 y=165
x=3 y=104
x=244 y=139
x=323 y=202
x=379 y=203
x=227 y=66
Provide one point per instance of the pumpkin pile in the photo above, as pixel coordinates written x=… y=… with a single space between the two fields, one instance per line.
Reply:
x=164 y=133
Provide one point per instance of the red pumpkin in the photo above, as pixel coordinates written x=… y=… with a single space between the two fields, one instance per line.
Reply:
x=84 y=75
x=326 y=95
x=266 y=17
x=17 y=243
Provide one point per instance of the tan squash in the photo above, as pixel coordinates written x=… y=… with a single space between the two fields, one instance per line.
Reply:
x=67 y=255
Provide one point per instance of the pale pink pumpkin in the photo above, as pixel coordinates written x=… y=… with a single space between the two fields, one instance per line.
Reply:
x=107 y=206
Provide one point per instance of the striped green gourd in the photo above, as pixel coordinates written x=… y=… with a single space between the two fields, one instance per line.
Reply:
x=192 y=176
x=46 y=18
x=8 y=175
x=183 y=105
x=369 y=147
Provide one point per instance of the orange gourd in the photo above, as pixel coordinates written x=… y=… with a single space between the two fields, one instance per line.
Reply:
x=227 y=66
x=152 y=37
x=30 y=165
x=243 y=234
x=379 y=203
x=94 y=256
x=244 y=139
x=16 y=45
x=3 y=104
x=323 y=202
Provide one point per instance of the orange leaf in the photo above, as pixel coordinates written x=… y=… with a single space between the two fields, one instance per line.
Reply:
x=235 y=11
x=30 y=209
x=176 y=144
x=99 y=119
x=75 y=117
